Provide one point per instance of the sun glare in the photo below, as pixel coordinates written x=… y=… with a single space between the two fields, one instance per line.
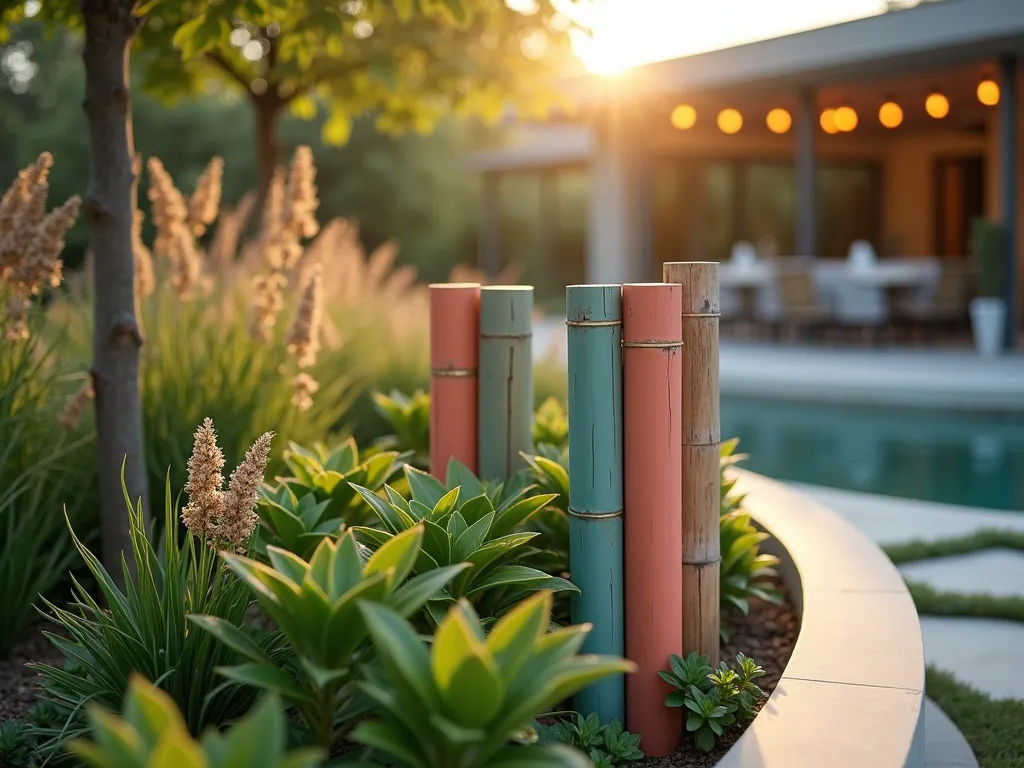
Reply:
x=627 y=33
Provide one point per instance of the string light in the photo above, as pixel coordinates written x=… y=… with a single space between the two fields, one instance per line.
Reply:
x=684 y=117
x=988 y=92
x=890 y=114
x=936 y=105
x=730 y=121
x=846 y=119
x=779 y=121
x=828 y=121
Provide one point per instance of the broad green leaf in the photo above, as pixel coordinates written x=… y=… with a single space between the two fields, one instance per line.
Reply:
x=152 y=712
x=458 y=475
x=553 y=756
x=413 y=595
x=476 y=692
x=388 y=739
x=399 y=553
x=475 y=508
x=473 y=538
x=347 y=567
x=402 y=652
x=425 y=488
x=509 y=574
x=268 y=678
x=437 y=543
x=514 y=636
x=519 y=513
x=288 y=564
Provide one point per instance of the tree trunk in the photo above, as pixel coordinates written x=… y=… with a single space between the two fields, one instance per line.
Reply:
x=267 y=110
x=109 y=29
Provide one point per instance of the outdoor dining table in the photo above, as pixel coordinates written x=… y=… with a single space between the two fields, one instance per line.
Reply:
x=896 y=280
x=746 y=280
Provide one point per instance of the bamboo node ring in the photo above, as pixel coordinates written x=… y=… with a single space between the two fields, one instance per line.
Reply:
x=594 y=515
x=454 y=373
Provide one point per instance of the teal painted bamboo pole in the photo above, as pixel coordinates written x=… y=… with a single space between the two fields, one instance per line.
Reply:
x=594 y=320
x=506 y=379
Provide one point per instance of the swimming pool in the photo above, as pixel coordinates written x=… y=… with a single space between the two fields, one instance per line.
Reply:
x=956 y=458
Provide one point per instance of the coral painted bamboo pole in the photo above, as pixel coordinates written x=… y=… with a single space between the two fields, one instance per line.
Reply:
x=652 y=380
x=594 y=339
x=454 y=357
x=505 y=423
x=701 y=441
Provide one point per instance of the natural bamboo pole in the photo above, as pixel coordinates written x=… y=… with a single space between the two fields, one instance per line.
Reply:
x=454 y=356
x=505 y=423
x=700 y=444
x=594 y=339
x=652 y=379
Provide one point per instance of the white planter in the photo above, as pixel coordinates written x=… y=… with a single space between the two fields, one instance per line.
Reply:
x=988 y=322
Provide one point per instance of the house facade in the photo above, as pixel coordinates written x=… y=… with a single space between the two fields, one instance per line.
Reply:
x=898 y=129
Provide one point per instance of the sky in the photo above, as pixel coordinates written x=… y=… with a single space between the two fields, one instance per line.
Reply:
x=631 y=32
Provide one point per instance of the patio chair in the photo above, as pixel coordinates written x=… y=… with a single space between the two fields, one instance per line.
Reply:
x=948 y=306
x=802 y=309
x=743 y=254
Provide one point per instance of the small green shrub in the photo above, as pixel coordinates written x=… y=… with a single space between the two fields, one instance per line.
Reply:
x=315 y=604
x=461 y=699
x=463 y=524
x=606 y=745
x=153 y=733
x=547 y=470
x=16 y=744
x=714 y=699
x=318 y=497
x=988 y=243
x=408 y=419
x=142 y=629
x=551 y=424
x=745 y=571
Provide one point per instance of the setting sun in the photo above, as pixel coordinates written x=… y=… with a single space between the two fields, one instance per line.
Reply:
x=627 y=33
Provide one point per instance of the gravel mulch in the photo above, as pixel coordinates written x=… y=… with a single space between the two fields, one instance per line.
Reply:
x=767 y=635
x=18 y=682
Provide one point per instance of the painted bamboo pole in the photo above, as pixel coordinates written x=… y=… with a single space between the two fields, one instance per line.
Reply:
x=505 y=423
x=454 y=356
x=701 y=440
x=594 y=338
x=652 y=369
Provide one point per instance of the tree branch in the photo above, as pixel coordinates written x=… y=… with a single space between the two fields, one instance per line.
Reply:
x=225 y=66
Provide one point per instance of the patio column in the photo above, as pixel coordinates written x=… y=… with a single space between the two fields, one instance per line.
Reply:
x=806 y=175
x=1008 y=105
x=616 y=240
x=488 y=259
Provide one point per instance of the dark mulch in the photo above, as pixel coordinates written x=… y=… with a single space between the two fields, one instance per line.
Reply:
x=17 y=682
x=767 y=635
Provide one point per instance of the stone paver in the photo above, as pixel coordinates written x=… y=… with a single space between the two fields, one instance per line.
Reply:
x=992 y=571
x=944 y=745
x=980 y=652
x=890 y=520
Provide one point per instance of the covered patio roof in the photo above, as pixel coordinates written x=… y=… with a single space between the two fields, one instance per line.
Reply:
x=935 y=34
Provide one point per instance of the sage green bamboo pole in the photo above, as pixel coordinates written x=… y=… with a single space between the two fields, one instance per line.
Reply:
x=506 y=379
x=593 y=315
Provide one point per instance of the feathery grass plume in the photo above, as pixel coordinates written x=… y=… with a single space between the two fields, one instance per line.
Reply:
x=205 y=201
x=18 y=196
x=271 y=233
x=186 y=269
x=238 y=517
x=72 y=413
x=304 y=387
x=43 y=265
x=17 y=318
x=205 y=497
x=169 y=209
x=267 y=303
x=300 y=204
x=230 y=225
x=145 y=278
x=304 y=335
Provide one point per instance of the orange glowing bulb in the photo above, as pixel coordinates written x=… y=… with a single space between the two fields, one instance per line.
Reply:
x=988 y=93
x=779 y=121
x=828 y=121
x=730 y=121
x=890 y=114
x=936 y=105
x=684 y=117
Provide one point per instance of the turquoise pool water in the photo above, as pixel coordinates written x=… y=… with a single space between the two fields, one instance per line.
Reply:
x=971 y=459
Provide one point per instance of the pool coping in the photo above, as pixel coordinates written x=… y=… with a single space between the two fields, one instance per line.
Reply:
x=852 y=694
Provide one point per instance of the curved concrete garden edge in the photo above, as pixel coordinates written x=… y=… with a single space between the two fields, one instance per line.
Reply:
x=852 y=694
